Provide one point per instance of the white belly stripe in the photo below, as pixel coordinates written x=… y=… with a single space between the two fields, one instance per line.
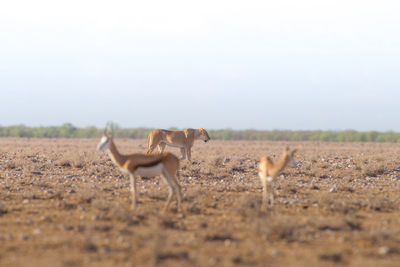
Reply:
x=150 y=171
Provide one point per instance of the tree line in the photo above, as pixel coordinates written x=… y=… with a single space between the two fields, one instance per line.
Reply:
x=68 y=130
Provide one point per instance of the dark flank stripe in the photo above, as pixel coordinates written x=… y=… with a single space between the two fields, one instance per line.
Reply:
x=147 y=165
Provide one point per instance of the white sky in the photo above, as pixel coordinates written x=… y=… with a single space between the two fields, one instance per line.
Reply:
x=213 y=64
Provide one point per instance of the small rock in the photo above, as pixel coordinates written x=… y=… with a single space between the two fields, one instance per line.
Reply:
x=37 y=231
x=384 y=250
x=25 y=201
x=275 y=253
x=227 y=242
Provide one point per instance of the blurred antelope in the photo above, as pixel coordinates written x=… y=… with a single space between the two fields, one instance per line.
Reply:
x=268 y=171
x=138 y=164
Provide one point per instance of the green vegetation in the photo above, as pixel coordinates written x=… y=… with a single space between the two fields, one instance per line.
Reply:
x=68 y=130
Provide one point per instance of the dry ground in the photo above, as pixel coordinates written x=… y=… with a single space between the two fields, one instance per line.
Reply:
x=64 y=204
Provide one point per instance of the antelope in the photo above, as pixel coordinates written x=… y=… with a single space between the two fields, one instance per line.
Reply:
x=268 y=171
x=139 y=164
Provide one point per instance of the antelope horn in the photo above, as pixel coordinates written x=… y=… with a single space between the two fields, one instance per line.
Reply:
x=109 y=129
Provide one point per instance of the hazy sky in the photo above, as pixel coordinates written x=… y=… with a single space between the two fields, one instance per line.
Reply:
x=213 y=64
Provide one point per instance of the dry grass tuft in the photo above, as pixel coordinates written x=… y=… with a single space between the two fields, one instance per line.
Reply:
x=331 y=203
x=337 y=224
x=382 y=204
x=282 y=228
x=76 y=160
x=373 y=170
x=249 y=206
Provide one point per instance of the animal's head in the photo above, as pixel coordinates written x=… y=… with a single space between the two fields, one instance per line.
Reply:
x=105 y=139
x=204 y=135
x=289 y=155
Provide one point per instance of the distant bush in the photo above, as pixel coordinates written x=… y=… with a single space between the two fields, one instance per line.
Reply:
x=327 y=136
x=68 y=130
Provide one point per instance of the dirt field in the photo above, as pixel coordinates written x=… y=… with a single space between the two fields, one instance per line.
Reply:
x=62 y=203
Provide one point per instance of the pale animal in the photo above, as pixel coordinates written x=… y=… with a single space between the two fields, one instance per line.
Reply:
x=268 y=171
x=182 y=139
x=140 y=164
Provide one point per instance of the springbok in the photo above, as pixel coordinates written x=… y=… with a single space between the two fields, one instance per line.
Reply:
x=268 y=171
x=140 y=164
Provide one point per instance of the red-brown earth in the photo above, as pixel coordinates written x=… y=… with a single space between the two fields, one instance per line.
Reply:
x=62 y=203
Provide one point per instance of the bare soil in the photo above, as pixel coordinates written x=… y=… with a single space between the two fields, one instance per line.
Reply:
x=62 y=203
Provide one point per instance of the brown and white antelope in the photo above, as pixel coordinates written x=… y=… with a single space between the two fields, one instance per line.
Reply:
x=268 y=171
x=140 y=164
